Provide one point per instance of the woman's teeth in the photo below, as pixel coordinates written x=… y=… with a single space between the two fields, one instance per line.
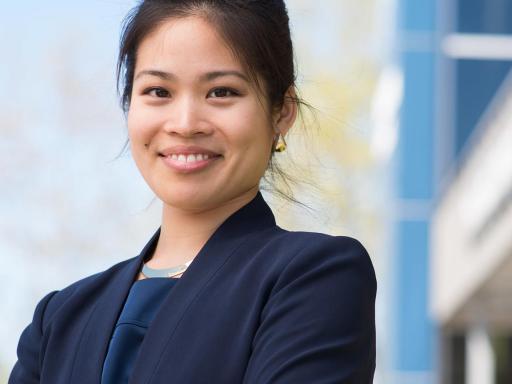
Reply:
x=191 y=158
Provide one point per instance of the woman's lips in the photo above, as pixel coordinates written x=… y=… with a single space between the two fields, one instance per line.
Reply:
x=187 y=150
x=191 y=162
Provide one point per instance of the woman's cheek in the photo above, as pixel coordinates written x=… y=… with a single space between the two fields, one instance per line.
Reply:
x=138 y=128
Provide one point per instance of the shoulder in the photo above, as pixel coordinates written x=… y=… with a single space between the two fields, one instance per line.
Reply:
x=319 y=311
x=311 y=241
x=320 y=246
x=51 y=303
x=343 y=258
x=314 y=240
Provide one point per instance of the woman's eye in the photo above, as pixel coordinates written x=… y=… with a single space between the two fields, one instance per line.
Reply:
x=223 y=92
x=157 y=92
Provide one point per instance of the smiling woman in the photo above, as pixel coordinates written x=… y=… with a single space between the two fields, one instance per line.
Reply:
x=191 y=98
x=220 y=293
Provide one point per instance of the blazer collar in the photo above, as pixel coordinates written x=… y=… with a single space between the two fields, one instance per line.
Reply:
x=253 y=217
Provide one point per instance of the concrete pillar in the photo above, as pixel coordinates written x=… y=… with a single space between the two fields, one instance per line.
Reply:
x=480 y=359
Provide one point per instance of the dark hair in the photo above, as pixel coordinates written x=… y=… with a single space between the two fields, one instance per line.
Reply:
x=257 y=32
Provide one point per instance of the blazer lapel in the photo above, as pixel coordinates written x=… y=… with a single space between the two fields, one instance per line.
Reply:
x=88 y=363
x=254 y=216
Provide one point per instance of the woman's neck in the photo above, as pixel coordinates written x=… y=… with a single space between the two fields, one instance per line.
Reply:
x=184 y=233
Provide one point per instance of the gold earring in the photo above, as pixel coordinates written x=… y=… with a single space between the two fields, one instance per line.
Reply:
x=281 y=144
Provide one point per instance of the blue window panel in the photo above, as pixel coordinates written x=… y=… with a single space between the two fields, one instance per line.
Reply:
x=476 y=84
x=415 y=332
x=415 y=149
x=417 y=15
x=484 y=16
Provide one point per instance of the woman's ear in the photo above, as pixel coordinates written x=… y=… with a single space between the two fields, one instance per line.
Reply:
x=284 y=119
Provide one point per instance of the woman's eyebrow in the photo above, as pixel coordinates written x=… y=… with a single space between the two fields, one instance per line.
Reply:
x=209 y=76
x=213 y=75
x=152 y=72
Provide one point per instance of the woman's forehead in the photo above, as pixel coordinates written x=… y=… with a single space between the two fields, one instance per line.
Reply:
x=191 y=39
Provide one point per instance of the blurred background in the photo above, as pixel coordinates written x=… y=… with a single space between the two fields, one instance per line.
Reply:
x=410 y=151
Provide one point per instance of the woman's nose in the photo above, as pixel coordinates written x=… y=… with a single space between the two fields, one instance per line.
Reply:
x=185 y=118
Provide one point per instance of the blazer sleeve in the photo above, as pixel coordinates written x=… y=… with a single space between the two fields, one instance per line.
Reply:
x=27 y=369
x=318 y=325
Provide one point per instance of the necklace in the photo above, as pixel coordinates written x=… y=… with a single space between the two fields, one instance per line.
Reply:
x=164 y=272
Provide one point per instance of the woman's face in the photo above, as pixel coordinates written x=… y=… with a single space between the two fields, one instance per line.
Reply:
x=198 y=132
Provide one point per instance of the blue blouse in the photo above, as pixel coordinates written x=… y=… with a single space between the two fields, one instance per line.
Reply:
x=141 y=306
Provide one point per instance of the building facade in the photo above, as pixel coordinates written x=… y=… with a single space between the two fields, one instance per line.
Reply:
x=471 y=242
x=452 y=304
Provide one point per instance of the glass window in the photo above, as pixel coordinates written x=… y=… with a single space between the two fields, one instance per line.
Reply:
x=484 y=16
x=476 y=84
x=502 y=345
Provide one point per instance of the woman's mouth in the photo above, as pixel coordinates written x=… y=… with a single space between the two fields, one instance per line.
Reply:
x=190 y=158
x=189 y=162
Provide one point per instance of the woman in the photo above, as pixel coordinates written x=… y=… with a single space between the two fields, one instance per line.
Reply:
x=219 y=294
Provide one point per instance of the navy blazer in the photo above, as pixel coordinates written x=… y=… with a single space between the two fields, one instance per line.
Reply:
x=258 y=305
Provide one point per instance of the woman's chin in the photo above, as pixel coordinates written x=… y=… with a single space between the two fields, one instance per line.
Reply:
x=188 y=202
x=198 y=198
